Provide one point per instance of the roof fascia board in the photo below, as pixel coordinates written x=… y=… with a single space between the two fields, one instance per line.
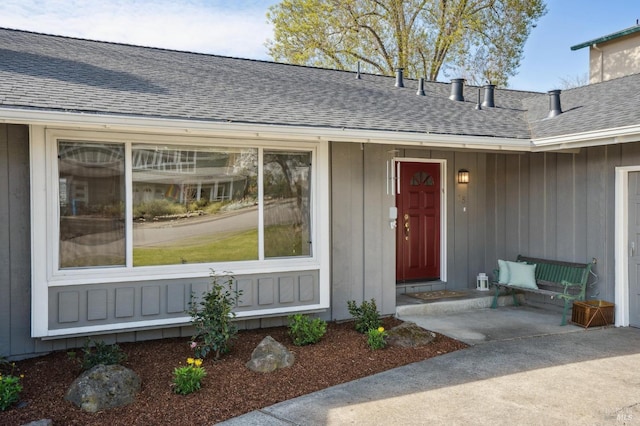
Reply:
x=608 y=37
x=587 y=139
x=258 y=131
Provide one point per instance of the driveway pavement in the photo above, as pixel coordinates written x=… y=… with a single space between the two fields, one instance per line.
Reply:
x=548 y=375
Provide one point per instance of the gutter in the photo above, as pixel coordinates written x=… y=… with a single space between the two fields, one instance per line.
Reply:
x=565 y=143
x=257 y=131
x=608 y=37
x=618 y=135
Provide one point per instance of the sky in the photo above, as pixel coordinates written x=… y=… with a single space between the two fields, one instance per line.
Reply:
x=239 y=28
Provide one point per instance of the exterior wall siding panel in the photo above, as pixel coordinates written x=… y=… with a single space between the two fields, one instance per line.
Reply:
x=347 y=226
x=558 y=206
x=77 y=306
x=15 y=252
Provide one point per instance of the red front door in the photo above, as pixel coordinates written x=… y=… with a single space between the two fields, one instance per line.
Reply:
x=418 y=233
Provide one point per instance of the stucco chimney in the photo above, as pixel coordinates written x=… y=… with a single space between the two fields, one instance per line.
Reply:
x=554 y=103
x=488 y=96
x=457 y=86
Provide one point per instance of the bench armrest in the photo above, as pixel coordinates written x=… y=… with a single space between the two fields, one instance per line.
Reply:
x=567 y=285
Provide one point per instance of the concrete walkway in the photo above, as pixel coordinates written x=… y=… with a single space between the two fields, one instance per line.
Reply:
x=542 y=374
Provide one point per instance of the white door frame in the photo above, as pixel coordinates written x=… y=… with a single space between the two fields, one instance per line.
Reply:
x=443 y=205
x=622 y=244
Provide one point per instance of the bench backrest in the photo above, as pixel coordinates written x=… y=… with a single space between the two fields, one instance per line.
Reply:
x=556 y=271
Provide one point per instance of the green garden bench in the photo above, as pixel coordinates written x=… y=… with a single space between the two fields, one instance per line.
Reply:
x=564 y=280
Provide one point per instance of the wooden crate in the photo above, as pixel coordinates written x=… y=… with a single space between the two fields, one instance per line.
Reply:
x=592 y=313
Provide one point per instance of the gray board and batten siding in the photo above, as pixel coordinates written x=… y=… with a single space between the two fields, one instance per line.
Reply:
x=548 y=205
x=15 y=242
x=552 y=205
x=557 y=206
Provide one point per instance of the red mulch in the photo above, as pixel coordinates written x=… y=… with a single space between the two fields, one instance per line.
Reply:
x=228 y=390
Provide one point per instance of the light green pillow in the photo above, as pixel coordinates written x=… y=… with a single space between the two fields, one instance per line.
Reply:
x=503 y=272
x=522 y=275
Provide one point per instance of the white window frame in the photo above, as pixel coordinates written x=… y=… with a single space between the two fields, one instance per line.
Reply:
x=45 y=218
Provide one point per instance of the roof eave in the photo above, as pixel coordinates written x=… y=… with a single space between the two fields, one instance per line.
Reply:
x=608 y=37
x=257 y=131
x=618 y=135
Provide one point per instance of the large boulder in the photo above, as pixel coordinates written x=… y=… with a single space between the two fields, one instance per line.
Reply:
x=409 y=335
x=103 y=387
x=269 y=356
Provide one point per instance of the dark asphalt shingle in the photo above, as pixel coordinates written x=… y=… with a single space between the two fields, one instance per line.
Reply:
x=65 y=74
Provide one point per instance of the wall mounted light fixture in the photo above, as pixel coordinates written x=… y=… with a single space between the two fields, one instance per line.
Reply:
x=463 y=176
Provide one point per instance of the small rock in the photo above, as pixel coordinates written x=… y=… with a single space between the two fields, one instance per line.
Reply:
x=409 y=335
x=41 y=422
x=270 y=355
x=103 y=387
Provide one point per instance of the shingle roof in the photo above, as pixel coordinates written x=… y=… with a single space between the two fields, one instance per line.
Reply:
x=600 y=106
x=44 y=72
x=59 y=73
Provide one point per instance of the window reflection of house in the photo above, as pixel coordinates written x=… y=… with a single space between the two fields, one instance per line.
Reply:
x=184 y=175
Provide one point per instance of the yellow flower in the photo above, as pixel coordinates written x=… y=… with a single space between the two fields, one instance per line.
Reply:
x=190 y=361
x=380 y=329
x=198 y=362
x=22 y=376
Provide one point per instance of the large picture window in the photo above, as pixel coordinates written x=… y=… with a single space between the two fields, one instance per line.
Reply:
x=181 y=204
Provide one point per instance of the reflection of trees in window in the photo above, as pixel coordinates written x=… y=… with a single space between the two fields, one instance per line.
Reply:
x=91 y=202
x=421 y=178
x=287 y=200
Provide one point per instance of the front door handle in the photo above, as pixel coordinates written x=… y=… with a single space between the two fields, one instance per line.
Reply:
x=406 y=228
x=633 y=248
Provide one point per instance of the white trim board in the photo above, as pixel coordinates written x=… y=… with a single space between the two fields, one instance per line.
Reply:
x=621 y=288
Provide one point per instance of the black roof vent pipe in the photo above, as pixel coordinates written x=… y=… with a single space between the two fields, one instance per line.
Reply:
x=358 y=72
x=399 y=82
x=554 y=103
x=457 y=85
x=488 y=96
x=420 y=91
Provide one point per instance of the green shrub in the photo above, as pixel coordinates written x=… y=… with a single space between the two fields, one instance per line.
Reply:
x=366 y=315
x=213 y=208
x=188 y=378
x=10 y=386
x=304 y=330
x=95 y=353
x=376 y=338
x=156 y=208
x=213 y=317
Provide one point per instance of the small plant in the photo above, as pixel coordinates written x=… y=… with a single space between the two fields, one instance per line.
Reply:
x=366 y=315
x=376 y=338
x=213 y=317
x=10 y=386
x=95 y=353
x=304 y=330
x=188 y=378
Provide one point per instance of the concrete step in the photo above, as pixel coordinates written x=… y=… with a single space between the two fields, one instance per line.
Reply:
x=446 y=306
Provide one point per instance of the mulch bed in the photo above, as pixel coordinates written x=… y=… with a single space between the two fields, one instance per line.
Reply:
x=228 y=390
